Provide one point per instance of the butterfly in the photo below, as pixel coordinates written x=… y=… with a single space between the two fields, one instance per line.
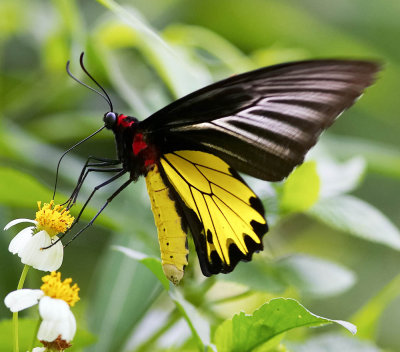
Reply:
x=261 y=123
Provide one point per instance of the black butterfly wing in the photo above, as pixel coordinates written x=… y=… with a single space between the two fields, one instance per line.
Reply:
x=262 y=122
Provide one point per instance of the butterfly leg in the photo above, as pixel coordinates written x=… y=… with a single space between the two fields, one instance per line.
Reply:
x=101 y=162
x=90 y=223
x=72 y=200
x=115 y=177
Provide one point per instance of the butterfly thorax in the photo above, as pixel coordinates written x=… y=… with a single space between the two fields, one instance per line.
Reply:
x=134 y=150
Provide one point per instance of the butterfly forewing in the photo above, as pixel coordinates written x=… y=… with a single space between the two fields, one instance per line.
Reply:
x=262 y=122
x=226 y=217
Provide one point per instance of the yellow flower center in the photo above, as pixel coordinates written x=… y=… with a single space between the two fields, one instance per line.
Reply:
x=53 y=287
x=53 y=219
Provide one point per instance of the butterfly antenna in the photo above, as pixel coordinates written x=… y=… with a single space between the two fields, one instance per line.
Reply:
x=98 y=85
x=105 y=97
x=67 y=151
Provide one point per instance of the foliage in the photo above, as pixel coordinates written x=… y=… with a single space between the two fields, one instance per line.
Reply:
x=334 y=239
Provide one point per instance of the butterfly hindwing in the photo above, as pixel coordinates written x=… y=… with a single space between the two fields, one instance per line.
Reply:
x=224 y=215
x=262 y=122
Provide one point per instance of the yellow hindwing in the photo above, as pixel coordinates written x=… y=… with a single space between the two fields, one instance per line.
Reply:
x=172 y=238
x=223 y=203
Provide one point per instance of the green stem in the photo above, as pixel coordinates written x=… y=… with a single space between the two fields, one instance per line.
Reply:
x=23 y=277
x=15 y=314
x=15 y=325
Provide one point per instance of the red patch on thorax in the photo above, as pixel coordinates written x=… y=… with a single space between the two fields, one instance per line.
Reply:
x=122 y=121
x=138 y=143
x=148 y=153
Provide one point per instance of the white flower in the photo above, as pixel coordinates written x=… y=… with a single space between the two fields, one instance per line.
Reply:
x=28 y=247
x=57 y=320
x=58 y=324
x=28 y=244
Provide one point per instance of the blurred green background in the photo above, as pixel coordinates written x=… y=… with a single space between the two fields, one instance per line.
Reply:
x=339 y=257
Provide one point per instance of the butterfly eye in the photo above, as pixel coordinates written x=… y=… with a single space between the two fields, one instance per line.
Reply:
x=110 y=118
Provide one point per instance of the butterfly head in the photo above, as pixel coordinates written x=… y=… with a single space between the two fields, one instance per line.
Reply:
x=117 y=122
x=110 y=120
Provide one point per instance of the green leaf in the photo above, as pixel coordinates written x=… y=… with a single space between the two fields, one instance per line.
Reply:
x=381 y=158
x=123 y=293
x=20 y=189
x=301 y=189
x=197 y=324
x=248 y=332
x=333 y=343
x=310 y=275
x=81 y=122
x=175 y=71
x=152 y=263
x=367 y=317
x=264 y=276
x=338 y=178
x=315 y=276
x=122 y=77
x=358 y=218
x=55 y=51
x=26 y=331
x=275 y=55
x=195 y=36
x=115 y=34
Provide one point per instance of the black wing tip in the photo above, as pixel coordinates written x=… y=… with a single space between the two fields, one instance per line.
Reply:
x=365 y=69
x=216 y=266
x=364 y=74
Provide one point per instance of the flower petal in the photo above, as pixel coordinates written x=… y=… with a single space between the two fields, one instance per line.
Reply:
x=53 y=308
x=39 y=349
x=54 y=256
x=21 y=299
x=18 y=221
x=68 y=327
x=42 y=259
x=57 y=319
x=20 y=240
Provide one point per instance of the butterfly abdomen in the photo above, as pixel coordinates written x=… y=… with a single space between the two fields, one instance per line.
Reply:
x=172 y=238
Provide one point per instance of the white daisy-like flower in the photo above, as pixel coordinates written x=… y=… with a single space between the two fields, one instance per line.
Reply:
x=28 y=244
x=55 y=298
